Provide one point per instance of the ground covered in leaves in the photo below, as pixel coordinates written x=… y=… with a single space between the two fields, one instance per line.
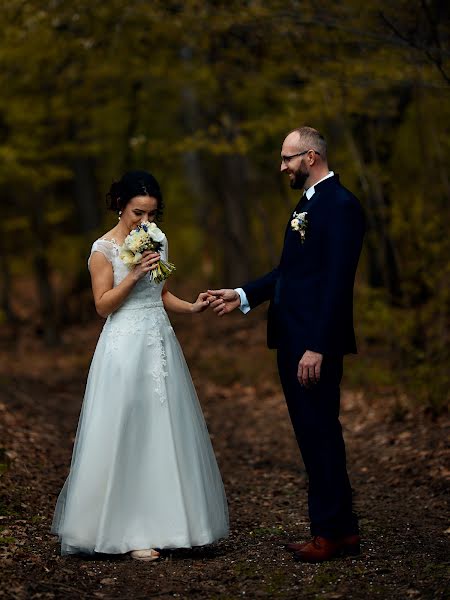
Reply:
x=396 y=454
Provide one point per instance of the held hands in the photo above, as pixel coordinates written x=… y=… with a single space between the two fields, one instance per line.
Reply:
x=148 y=262
x=221 y=301
x=224 y=301
x=201 y=303
x=308 y=372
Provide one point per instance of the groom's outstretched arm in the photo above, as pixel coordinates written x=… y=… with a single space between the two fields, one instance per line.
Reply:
x=261 y=289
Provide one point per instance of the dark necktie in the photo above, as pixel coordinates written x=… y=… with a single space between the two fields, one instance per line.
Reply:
x=302 y=202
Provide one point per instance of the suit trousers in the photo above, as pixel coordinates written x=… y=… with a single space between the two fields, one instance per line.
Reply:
x=314 y=413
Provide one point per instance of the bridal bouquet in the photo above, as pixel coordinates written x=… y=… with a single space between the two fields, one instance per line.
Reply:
x=147 y=236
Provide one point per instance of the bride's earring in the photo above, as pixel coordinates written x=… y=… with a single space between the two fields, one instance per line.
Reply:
x=120 y=212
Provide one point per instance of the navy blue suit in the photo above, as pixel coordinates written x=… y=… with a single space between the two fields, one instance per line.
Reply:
x=311 y=308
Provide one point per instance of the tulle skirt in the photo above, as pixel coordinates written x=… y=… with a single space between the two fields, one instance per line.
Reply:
x=143 y=471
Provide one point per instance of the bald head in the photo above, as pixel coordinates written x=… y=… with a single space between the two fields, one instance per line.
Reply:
x=304 y=157
x=308 y=138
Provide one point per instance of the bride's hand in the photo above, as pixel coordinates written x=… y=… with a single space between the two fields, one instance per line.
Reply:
x=148 y=262
x=201 y=303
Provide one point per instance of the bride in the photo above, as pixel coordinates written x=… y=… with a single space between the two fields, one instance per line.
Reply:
x=143 y=474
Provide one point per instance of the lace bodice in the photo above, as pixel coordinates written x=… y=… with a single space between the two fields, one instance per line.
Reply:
x=145 y=292
x=142 y=314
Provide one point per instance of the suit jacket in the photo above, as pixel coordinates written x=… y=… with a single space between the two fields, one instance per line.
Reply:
x=311 y=290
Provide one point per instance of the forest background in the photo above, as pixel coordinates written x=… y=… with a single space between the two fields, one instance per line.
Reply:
x=201 y=93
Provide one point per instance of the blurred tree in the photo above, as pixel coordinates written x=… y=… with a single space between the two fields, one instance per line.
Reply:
x=202 y=93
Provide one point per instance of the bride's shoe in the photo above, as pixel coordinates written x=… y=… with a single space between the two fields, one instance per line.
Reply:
x=148 y=554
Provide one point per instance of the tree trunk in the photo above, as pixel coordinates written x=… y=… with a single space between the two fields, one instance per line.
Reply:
x=196 y=175
x=42 y=276
x=132 y=124
x=236 y=231
x=85 y=193
x=382 y=261
x=381 y=201
x=5 y=285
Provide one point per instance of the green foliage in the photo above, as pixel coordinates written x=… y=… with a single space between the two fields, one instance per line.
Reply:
x=201 y=94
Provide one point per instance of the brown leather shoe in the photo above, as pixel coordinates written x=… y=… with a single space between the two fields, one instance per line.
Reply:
x=295 y=547
x=348 y=540
x=320 y=549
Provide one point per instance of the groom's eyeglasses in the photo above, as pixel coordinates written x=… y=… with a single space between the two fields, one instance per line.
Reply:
x=286 y=159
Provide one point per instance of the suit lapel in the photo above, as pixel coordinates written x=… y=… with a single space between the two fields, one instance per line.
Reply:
x=305 y=205
x=310 y=203
x=296 y=209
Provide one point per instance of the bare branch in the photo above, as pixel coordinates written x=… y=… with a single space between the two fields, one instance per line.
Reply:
x=435 y=59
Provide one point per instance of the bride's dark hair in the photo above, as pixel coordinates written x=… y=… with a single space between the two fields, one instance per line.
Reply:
x=131 y=184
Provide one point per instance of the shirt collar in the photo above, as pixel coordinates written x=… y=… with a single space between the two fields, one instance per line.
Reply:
x=309 y=193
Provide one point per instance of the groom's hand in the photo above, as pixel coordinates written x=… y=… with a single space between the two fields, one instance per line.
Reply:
x=308 y=372
x=223 y=301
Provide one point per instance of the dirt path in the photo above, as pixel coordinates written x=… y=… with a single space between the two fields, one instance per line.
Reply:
x=396 y=463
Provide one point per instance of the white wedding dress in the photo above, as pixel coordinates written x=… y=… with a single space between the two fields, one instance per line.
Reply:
x=143 y=471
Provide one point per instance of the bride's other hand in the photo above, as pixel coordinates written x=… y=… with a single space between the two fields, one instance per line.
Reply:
x=148 y=263
x=201 y=304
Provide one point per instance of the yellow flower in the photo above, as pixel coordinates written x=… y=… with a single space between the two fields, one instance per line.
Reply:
x=136 y=240
x=127 y=256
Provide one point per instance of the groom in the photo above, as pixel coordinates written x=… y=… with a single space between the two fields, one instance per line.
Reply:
x=310 y=323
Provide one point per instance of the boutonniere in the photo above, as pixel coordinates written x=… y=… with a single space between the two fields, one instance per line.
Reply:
x=299 y=223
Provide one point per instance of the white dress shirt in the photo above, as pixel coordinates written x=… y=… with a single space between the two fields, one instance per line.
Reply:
x=309 y=193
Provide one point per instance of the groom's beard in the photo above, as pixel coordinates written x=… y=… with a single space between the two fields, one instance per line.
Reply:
x=298 y=181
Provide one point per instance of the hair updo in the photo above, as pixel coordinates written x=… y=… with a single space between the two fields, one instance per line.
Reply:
x=132 y=184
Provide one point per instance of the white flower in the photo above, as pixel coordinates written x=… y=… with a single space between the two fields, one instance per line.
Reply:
x=135 y=240
x=156 y=234
x=150 y=231
x=299 y=223
x=146 y=236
